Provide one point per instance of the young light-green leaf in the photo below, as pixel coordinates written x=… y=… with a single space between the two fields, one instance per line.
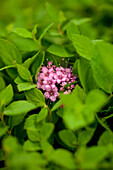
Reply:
x=23 y=32
x=26 y=86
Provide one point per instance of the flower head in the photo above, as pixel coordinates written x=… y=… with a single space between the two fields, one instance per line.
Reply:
x=52 y=80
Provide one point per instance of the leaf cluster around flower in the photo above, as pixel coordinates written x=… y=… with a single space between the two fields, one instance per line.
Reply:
x=52 y=79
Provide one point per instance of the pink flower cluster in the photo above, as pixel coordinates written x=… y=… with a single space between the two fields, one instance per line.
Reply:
x=52 y=79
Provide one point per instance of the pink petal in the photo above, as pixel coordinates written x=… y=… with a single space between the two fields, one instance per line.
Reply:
x=46 y=94
x=53 y=98
x=66 y=92
x=44 y=69
x=72 y=85
x=47 y=87
x=49 y=63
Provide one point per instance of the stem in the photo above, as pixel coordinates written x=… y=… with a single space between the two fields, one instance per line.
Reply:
x=6 y=67
x=3 y=122
x=50 y=114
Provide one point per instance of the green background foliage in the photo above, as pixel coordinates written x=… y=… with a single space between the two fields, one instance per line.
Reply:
x=34 y=133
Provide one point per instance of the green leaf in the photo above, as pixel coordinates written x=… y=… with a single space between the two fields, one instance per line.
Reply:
x=3 y=131
x=23 y=32
x=47 y=148
x=9 y=53
x=6 y=95
x=30 y=160
x=68 y=138
x=37 y=63
x=106 y=138
x=30 y=123
x=11 y=145
x=85 y=136
x=29 y=61
x=42 y=114
x=44 y=32
x=79 y=110
x=96 y=99
x=2 y=83
x=35 y=96
x=24 y=44
x=102 y=74
x=19 y=80
x=52 y=12
x=34 y=30
x=2 y=157
x=71 y=29
x=58 y=50
x=24 y=73
x=86 y=76
x=46 y=130
x=26 y=86
x=63 y=158
x=103 y=123
x=106 y=54
x=31 y=146
x=19 y=107
x=90 y=157
x=83 y=46
x=16 y=120
x=81 y=21
x=6 y=67
x=56 y=105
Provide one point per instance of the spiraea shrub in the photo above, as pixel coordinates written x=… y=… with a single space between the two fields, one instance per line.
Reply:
x=56 y=85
